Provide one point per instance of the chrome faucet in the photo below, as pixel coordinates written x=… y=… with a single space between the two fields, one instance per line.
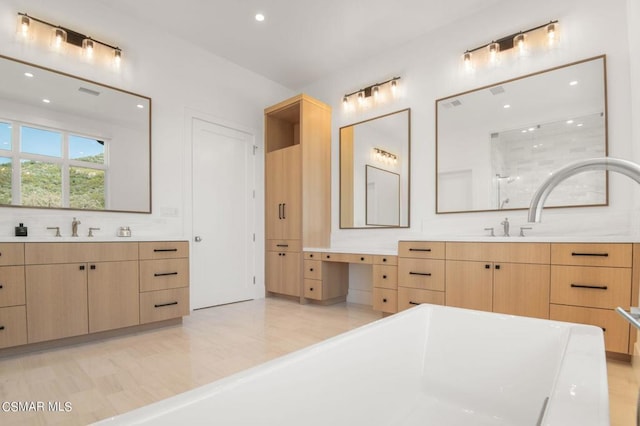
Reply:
x=624 y=167
x=74 y=227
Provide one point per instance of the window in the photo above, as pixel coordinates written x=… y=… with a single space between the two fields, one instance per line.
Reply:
x=44 y=167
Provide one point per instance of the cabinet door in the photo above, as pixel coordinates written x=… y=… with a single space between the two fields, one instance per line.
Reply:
x=521 y=289
x=292 y=193
x=273 y=271
x=273 y=195
x=113 y=295
x=56 y=301
x=469 y=285
x=291 y=274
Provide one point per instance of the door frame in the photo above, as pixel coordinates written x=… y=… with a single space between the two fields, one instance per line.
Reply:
x=187 y=190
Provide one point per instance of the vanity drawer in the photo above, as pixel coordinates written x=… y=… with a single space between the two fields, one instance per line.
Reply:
x=13 y=326
x=163 y=274
x=385 y=260
x=385 y=276
x=48 y=253
x=425 y=274
x=592 y=254
x=616 y=329
x=499 y=252
x=313 y=269
x=313 y=289
x=164 y=304
x=312 y=255
x=348 y=258
x=164 y=249
x=409 y=297
x=421 y=249
x=284 y=245
x=12 y=288
x=385 y=300
x=11 y=254
x=591 y=286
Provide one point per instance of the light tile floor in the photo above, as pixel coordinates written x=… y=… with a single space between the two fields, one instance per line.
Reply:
x=102 y=379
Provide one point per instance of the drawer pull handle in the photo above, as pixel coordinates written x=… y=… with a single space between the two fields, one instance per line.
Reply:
x=590 y=254
x=283 y=245
x=413 y=303
x=384 y=259
x=310 y=269
x=310 y=288
x=362 y=259
x=384 y=300
x=164 y=250
x=165 y=304
x=82 y=267
x=328 y=257
x=1 y=286
x=1 y=327
x=604 y=330
x=311 y=255
x=419 y=249
x=164 y=274
x=594 y=287
x=424 y=274
x=384 y=277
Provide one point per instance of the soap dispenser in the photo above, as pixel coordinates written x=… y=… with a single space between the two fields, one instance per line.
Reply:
x=21 y=231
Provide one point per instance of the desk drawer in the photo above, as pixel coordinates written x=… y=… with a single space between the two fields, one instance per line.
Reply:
x=385 y=276
x=385 y=260
x=385 y=300
x=409 y=297
x=616 y=329
x=163 y=249
x=313 y=289
x=312 y=255
x=421 y=249
x=13 y=326
x=164 y=304
x=313 y=269
x=12 y=289
x=425 y=274
x=284 y=245
x=592 y=254
x=11 y=253
x=591 y=286
x=348 y=258
x=163 y=274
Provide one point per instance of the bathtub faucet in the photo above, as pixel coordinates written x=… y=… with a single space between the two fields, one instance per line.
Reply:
x=624 y=167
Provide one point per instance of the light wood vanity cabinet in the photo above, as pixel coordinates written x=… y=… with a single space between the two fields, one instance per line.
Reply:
x=421 y=273
x=297 y=191
x=385 y=283
x=13 y=315
x=52 y=291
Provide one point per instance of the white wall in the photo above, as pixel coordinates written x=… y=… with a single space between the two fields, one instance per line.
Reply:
x=181 y=80
x=431 y=68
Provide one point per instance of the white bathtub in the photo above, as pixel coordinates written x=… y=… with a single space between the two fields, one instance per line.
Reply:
x=430 y=365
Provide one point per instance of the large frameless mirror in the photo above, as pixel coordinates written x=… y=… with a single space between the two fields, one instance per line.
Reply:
x=71 y=143
x=375 y=172
x=496 y=144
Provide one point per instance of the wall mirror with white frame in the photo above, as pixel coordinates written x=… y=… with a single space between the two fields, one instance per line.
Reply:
x=496 y=144
x=375 y=172
x=71 y=143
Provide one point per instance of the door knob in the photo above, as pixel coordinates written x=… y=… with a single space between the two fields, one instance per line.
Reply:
x=197 y=239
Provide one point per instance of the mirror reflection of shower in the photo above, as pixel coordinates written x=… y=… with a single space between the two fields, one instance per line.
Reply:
x=500 y=179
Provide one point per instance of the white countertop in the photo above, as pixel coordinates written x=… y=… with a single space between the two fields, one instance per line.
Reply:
x=85 y=239
x=380 y=252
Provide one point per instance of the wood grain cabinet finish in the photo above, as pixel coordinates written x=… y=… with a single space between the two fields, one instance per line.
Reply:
x=162 y=274
x=162 y=305
x=12 y=289
x=151 y=250
x=297 y=189
x=385 y=300
x=421 y=273
x=11 y=254
x=13 y=326
x=385 y=283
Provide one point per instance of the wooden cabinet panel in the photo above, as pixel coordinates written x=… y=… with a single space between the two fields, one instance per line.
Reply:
x=113 y=295
x=348 y=258
x=283 y=273
x=421 y=249
x=409 y=297
x=164 y=304
x=499 y=252
x=285 y=245
x=385 y=300
x=49 y=253
x=313 y=269
x=311 y=255
x=385 y=260
x=385 y=276
x=13 y=326
x=521 y=289
x=469 y=285
x=56 y=301
x=616 y=329
x=313 y=289
x=283 y=202
x=163 y=274
x=596 y=287
x=11 y=254
x=426 y=274
x=592 y=254
x=163 y=250
x=12 y=290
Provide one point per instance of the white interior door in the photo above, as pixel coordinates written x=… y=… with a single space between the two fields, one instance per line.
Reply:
x=223 y=254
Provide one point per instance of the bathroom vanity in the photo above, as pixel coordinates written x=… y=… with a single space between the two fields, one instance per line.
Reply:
x=66 y=290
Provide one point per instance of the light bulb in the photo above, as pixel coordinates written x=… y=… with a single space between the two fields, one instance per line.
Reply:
x=117 y=57
x=360 y=97
x=494 y=48
x=519 y=42
x=58 y=37
x=87 y=46
x=551 y=33
x=24 y=23
x=394 y=86
x=376 y=92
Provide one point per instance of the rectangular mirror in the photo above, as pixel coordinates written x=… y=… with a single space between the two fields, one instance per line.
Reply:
x=71 y=143
x=496 y=144
x=375 y=172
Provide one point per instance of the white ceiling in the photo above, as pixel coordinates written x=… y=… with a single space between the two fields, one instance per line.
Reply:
x=300 y=41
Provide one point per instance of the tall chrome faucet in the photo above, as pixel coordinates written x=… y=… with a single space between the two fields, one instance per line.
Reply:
x=74 y=227
x=624 y=167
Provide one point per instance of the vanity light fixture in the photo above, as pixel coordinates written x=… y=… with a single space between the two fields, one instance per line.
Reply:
x=385 y=156
x=375 y=90
x=519 y=39
x=61 y=37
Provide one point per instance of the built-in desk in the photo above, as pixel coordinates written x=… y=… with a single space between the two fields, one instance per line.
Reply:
x=326 y=277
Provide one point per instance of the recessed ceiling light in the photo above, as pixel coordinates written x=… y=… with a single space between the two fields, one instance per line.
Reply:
x=507 y=106
x=140 y=106
x=580 y=125
x=28 y=74
x=569 y=121
x=46 y=101
x=573 y=83
x=259 y=17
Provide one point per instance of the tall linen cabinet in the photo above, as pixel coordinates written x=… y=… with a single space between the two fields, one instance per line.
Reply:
x=297 y=189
